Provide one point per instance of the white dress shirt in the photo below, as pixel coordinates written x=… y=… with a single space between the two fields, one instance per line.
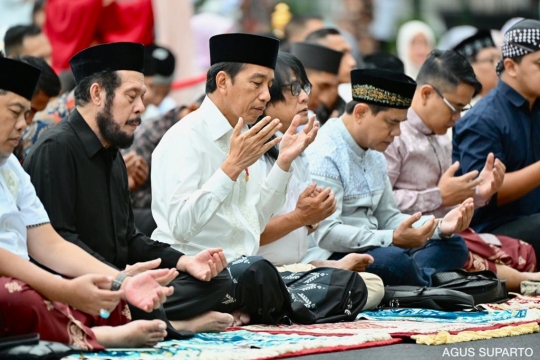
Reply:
x=195 y=204
x=19 y=207
x=291 y=248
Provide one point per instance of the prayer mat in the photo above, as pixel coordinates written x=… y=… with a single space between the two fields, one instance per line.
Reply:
x=404 y=323
x=243 y=344
x=515 y=303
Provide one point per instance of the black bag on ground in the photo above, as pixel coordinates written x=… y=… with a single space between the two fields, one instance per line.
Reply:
x=325 y=295
x=484 y=286
x=405 y=296
x=25 y=347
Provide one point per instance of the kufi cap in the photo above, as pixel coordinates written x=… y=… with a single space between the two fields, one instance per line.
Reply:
x=244 y=48
x=107 y=57
x=472 y=45
x=521 y=39
x=317 y=57
x=382 y=87
x=18 y=77
x=163 y=59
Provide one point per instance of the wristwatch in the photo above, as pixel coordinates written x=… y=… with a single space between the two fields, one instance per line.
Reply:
x=117 y=283
x=441 y=235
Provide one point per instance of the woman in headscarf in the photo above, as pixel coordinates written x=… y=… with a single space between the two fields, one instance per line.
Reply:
x=415 y=40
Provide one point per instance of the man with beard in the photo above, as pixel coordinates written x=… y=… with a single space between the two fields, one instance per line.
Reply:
x=82 y=182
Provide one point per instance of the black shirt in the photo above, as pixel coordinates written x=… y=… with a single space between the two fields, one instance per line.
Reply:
x=84 y=189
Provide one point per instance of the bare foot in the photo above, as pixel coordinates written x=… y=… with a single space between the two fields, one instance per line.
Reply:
x=139 y=333
x=352 y=262
x=211 y=321
x=240 y=318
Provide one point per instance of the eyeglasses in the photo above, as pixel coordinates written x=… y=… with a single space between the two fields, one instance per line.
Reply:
x=296 y=88
x=454 y=110
x=493 y=61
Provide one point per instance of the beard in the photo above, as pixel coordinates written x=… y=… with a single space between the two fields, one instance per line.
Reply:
x=111 y=131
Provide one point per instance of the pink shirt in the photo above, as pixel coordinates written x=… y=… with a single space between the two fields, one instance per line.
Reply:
x=416 y=161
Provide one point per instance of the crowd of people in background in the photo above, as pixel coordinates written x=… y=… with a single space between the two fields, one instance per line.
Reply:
x=301 y=159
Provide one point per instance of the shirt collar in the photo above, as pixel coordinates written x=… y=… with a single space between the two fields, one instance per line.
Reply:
x=417 y=123
x=512 y=95
x=218 y=125
x=346 y=135
x=89 y=139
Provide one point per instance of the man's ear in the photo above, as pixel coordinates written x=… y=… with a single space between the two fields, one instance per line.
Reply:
x=222 y=81
x=425 y=92
x=96 y=95
x=510 y=67
x=360 y=112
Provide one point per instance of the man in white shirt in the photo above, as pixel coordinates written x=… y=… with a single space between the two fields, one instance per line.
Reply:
x=34 y=300
x=207 y=186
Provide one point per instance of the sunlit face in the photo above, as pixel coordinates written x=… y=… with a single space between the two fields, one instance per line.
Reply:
x=118 y=119
x=440 y=116
x=286 y=110
x=484 y=67
x=38 y=46
x=377 y=132
x=39 y=103
x=248 y=95
x=348 y=63
x=527 y=74
x=14 y=110
x=419 y=49
x=325 y=89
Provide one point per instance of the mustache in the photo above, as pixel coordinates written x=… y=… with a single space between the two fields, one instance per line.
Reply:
x=136 y=121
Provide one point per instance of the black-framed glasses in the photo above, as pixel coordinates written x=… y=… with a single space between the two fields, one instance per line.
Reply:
x=296 y=88
x=454 y=110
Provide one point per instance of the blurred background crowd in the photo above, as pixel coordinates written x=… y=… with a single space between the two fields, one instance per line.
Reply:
x=184 y=27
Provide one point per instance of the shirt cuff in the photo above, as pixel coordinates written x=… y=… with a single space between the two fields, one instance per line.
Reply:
x=279 y=179
x=219 y=184
x=385 y=237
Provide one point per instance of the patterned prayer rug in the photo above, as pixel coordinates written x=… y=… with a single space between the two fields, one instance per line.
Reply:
x=243 y=344
x=408 y=322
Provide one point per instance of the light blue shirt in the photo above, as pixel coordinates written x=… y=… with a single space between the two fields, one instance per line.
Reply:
x=366 y=214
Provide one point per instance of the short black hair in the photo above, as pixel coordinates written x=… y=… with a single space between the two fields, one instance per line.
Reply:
x=38 y=6
x=14 y=38
x=284 y=65
x=317 y=35
x=446 y=69
x=109 y=80
x=231 y=68
x=298 y=22
x=48 y=81
x=375 y=109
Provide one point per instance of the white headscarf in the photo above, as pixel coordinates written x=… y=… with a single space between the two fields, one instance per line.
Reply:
x=455 y=35
x=405 y=36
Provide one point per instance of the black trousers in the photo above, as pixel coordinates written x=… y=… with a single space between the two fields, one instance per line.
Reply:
x=193 y=297
x=526 y=229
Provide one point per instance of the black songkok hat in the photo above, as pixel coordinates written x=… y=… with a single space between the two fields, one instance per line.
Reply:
x=244 y=48
x=472 y=45
x=18 y=77
x=384 y=60
x=317 y=57
x=107 y=57
x=382 y=87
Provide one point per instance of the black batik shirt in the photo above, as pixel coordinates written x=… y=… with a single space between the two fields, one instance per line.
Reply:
x=84 y=189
